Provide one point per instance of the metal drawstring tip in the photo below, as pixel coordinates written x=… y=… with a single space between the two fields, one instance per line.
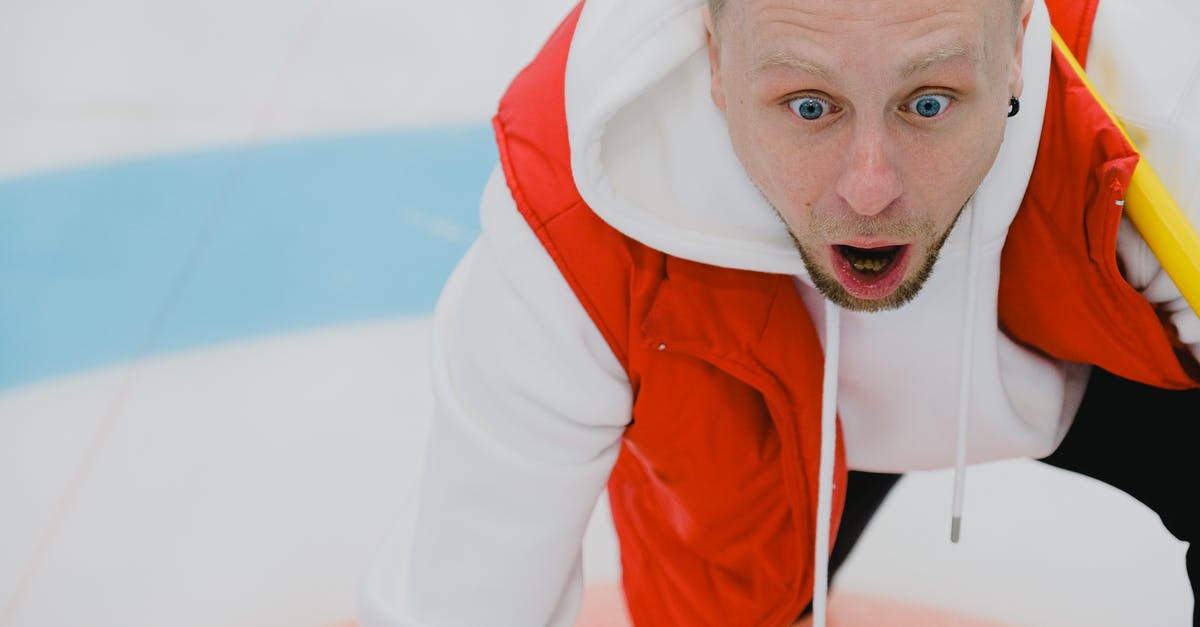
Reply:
x=955 y=528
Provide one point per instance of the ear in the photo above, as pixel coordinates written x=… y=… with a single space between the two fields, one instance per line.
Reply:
x=1016 y=80
x=716 y=89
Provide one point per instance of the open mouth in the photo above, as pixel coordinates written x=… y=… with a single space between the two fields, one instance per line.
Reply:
x=870 y=272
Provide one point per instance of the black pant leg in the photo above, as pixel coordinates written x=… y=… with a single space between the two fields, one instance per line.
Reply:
x=1142 y=440
x=865 y=492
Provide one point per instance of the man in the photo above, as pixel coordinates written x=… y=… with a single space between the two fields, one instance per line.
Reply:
x=709 y=218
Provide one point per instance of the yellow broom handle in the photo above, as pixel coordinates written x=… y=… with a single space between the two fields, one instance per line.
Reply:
x=1154 y=213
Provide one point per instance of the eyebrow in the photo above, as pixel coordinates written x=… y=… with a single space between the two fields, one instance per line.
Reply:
x=788 y=60
x=945 y=53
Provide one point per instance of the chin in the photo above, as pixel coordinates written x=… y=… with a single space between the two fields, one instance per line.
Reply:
x=838 y=295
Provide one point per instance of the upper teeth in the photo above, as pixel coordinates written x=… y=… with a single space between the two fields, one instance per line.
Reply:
x=874 y=265
x=867 y=264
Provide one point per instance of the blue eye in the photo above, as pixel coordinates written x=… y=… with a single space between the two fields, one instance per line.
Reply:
x=808 y=107
x=929 y=105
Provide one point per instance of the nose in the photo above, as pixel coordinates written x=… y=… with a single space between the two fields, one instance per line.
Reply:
x=869 y=182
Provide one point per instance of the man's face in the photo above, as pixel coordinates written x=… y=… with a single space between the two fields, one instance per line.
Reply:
x=867 y=124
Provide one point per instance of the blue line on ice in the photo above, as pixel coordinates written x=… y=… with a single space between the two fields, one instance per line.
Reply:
x=125 y=260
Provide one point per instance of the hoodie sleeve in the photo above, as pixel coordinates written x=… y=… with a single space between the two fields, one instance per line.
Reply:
x=1144 y=61
x=529 y=408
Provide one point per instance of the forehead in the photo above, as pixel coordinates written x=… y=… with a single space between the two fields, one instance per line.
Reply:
x=850 y=12
x=838 y=32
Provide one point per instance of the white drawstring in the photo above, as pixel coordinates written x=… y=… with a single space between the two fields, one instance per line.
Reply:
x=829 y=392
x=964 y=390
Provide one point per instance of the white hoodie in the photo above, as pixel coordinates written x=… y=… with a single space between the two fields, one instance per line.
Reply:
x=531 y=404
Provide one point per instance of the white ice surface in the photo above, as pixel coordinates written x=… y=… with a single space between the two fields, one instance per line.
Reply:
x=82 y=82
x=242 y=484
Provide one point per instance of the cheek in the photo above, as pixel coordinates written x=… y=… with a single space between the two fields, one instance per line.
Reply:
x=788 y=170
x=949 y=170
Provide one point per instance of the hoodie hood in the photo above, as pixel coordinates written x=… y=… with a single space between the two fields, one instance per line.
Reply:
x=650 y=152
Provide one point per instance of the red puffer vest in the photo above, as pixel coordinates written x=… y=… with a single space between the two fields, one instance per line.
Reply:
x=714 y=492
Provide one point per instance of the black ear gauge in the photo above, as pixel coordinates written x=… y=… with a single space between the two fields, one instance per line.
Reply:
x=1014 y=106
